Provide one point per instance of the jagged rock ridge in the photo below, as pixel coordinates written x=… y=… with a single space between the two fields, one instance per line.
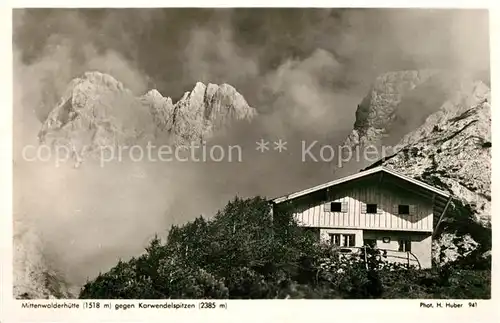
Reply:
x=98 y=111
x=399 y=102
x=199 y=113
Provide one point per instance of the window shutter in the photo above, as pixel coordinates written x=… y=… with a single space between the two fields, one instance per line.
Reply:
x=363 y=208
x=413 y=210
x=395 y=209
x=344 y=207
x=327 y=207
x=379 y=209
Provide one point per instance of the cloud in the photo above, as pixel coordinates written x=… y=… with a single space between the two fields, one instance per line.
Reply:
x=212 y=56
x=306 y=100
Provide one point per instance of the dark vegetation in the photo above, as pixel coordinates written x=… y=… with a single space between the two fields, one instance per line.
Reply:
x=246 y=253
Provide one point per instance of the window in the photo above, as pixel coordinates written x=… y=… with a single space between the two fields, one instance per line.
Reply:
x=349 y=240
x=343 y=240
x=336 y=207
x=371 y=208
x=335 y=239
x=404 y=245
x=403 y=209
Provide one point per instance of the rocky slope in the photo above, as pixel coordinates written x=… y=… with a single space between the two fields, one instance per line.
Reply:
x=450 y=149
x=97 y=111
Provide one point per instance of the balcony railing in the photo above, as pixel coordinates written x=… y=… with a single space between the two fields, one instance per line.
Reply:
x=405 y=257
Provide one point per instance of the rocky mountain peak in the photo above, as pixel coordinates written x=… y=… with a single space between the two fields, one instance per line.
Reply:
x=97 y=110
x=98 y=78
x=153 y=94
x=205 y=110
x=378 y=109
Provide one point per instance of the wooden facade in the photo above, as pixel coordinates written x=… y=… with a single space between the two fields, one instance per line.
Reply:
x=354 y=215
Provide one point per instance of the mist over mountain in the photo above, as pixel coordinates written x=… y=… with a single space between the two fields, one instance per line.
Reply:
x=300 y=74
x=171 y=49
